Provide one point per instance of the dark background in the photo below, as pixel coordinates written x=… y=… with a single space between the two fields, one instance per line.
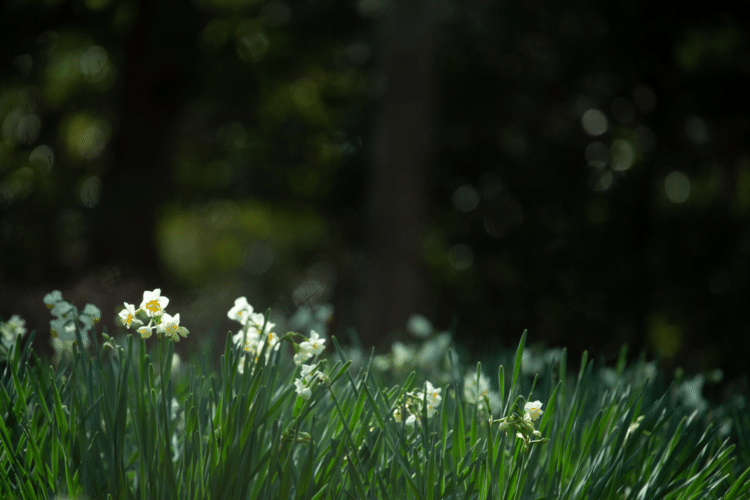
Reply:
x=575 y=169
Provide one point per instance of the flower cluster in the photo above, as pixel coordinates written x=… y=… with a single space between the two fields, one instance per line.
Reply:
x=477 y=391
x=256 y=330
x=524 y=426
x=67 y=319
x=414 y=400
x=309 y=376
x=309 y=348
x=12 y=329
x=153 y=308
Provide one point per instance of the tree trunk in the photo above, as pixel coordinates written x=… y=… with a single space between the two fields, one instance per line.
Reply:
x=401 y=148
x=153 y=85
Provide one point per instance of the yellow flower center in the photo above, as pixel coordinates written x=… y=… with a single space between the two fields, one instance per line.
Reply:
x=153 y=306
x=129 y=320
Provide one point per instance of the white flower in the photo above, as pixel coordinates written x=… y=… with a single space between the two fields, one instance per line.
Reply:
x=273 y=341
x=13 y=328
x=531 y=363
x=690 y=391
x=153 y=303
x=301 y=357
x=308 y=372
x=419 y=326
x=475 y=391
x=62 y=309
x=403 y=355
x=241 y=311
x=256 y=321
x=52 y=298
x=127 y=316
x=532 y=411
x=302 y=390
x=90 y=315
x=315 y=345
x=170 y=326
x=381 y=362
x=433 y=350
x=433 y=394
x=247 y=341
x=307 y=377
x=145 y=331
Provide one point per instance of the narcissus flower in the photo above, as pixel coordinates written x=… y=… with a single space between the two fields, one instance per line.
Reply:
x=145 y=331
x=532 y=411
x=153 y=303
x=170 y=326
x=127 y=316
x=309 y=348
x=241 y=311
x=303 y=391
x=307 y=379
x=13 y=328
x=52 y=298
x=314 y=345
x=475 y=391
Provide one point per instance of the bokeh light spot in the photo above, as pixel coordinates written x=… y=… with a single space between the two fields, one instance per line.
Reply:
x=28 y=129
x=597 y=154
x=274 y=14
x=623 y=155
x=90 y=191
x=94 y=63
x=594 y=122
x=461 y=256
x=696 y=129
x=86 y=136
x=601 y=180
x=677 y=187
x=44 y=157
x=465 y=198
x=252 y=48
x=305 y=92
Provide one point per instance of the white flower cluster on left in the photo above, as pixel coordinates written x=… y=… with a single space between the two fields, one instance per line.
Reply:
x=12 y=329
x=67 y=319
x=153 y=308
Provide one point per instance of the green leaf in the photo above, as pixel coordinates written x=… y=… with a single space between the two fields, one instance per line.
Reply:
x=516 y=368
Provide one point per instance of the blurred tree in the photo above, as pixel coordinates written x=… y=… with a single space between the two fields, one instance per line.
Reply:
x=402 y=150
x=155 y=79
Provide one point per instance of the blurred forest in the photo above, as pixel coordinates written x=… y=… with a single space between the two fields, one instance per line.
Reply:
x=575 y=168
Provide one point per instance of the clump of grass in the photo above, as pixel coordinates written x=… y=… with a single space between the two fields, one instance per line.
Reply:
x=111 y=422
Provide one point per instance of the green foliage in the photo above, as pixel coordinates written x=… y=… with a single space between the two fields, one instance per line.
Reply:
x=115 y=423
